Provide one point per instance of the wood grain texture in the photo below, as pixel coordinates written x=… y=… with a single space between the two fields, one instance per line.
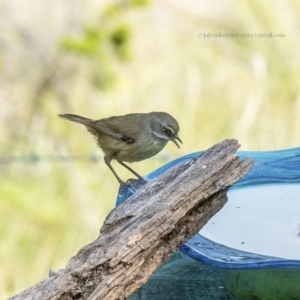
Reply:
x=139 y=235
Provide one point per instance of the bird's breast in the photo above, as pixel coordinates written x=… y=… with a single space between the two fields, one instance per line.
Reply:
x=140 y=150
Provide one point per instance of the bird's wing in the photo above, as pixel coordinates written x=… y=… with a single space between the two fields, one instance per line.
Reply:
x=112 y=127
x=108 y=131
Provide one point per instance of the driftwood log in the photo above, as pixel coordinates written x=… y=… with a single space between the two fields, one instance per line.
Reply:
x=139 y=235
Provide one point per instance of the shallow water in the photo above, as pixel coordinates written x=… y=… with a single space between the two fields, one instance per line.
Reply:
x=261 y=219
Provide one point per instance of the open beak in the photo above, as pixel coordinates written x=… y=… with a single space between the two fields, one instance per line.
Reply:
x=174 y=139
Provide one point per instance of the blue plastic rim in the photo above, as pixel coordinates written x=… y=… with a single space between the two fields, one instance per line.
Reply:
x=270 y=167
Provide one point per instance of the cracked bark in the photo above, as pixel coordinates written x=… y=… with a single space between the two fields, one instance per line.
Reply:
x=139 y=235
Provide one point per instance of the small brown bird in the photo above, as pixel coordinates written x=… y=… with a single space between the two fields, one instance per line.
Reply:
x=132 y=137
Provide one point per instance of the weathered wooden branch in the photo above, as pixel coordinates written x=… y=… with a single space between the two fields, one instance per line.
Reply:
x=144 y=231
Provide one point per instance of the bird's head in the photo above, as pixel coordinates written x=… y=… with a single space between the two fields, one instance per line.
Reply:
x=165 y=127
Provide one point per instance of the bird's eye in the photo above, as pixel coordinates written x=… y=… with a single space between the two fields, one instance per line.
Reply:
x=163 y=128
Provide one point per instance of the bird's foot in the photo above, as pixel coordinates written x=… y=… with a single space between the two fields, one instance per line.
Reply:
x=134 y=181
x=135 y=184
x=128 y=188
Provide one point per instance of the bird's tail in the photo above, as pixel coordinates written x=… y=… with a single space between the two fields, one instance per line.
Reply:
x=75 y=118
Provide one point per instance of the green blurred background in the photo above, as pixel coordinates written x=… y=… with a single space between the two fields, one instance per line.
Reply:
x=112 y=58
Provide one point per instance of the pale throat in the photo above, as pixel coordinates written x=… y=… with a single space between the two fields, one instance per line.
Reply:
x=160 y=136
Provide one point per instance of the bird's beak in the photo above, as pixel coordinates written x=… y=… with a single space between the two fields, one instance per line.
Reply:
x=174 y=138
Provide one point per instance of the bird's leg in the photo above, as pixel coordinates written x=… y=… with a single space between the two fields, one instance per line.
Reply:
x=132 y=171
x=108 y=161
